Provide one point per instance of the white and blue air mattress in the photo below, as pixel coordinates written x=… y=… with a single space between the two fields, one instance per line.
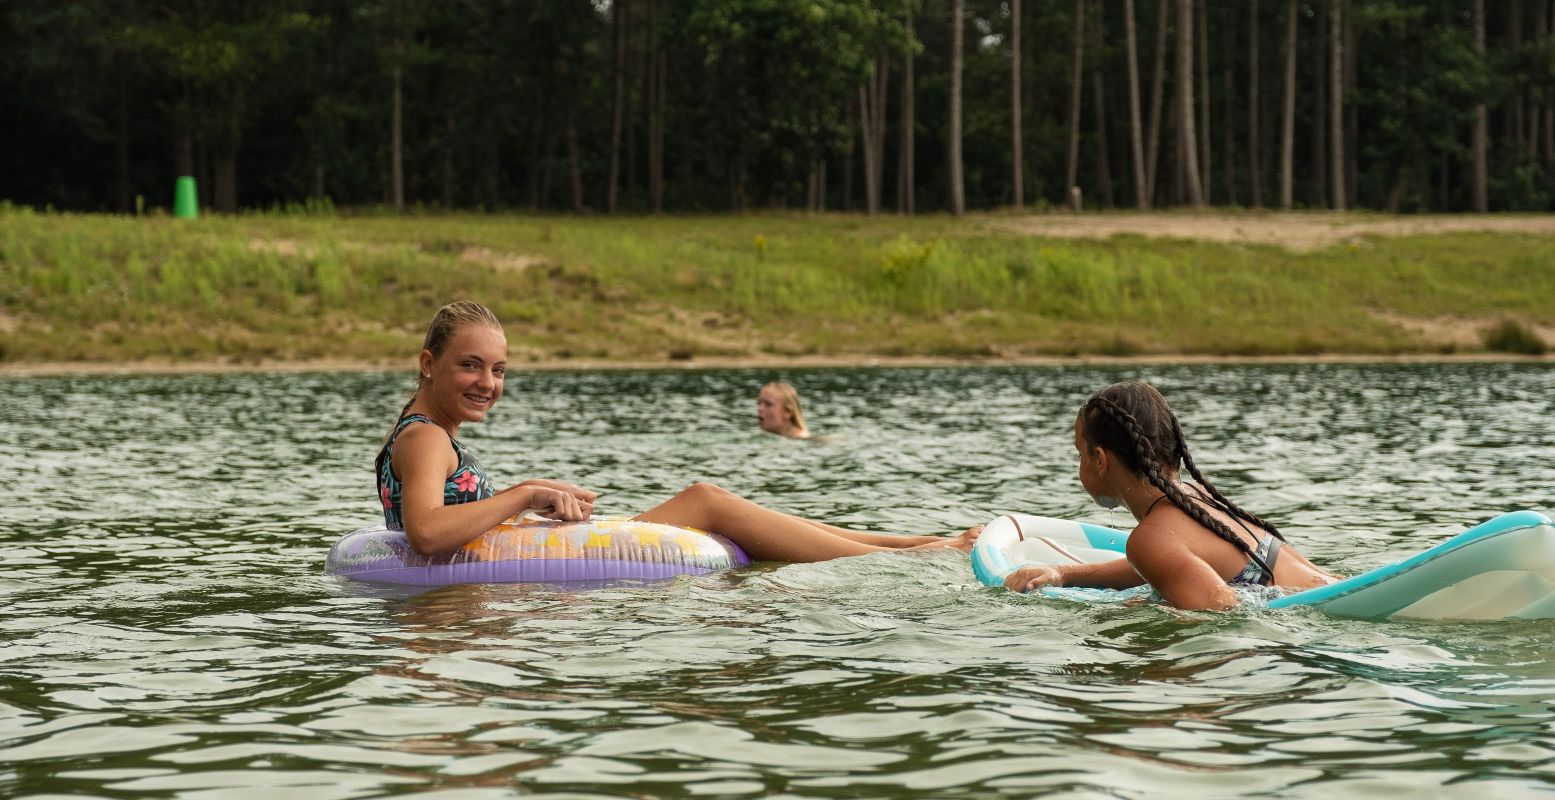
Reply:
x=1501 y=569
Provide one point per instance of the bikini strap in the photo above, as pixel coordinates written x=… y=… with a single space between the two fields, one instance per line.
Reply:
x=388 y=446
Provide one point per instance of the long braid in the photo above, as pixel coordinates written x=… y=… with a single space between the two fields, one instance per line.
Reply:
x=1144 y=453
x=1225 y=502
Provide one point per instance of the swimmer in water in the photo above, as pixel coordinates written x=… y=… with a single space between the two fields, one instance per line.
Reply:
x=778 y=411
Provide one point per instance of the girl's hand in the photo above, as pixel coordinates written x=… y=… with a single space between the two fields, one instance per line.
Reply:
x=558 y=504
x=583 y=495
x=1026 y=579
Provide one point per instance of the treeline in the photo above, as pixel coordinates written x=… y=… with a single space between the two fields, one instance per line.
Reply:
x=702 y=105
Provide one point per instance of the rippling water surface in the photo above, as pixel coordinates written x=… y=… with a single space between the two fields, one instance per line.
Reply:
x=165 y=629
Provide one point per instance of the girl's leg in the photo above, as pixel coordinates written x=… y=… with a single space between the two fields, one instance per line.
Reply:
x=894 y=541
x=764 y=534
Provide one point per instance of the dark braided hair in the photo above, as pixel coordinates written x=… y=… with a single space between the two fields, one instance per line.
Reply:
x=1221 y=500
x=1133 y=421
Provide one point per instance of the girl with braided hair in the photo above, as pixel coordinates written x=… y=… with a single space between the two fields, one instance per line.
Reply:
x=1191 y=544
x=434 y=490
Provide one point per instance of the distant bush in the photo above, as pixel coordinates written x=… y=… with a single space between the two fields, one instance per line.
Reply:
x=1511 y=336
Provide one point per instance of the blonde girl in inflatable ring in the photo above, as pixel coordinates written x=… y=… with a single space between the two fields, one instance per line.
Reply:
x=432 y=487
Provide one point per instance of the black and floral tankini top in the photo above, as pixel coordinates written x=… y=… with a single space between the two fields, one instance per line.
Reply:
x=468 y=483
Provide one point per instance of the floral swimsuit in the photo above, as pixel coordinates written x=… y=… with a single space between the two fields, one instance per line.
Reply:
x=468 y=483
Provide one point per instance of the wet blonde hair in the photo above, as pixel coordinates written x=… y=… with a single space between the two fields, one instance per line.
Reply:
x=790 y=402
x=445 y=323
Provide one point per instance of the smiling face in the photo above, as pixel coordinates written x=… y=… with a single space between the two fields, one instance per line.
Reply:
x=465 y=381
x=770 y=413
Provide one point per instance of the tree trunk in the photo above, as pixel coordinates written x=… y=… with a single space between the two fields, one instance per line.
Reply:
x=737 y=196
x=1072 y=172
x=1187 y=140
x=540 y=171
x=1288 y=129
x=1514 y=35
x=957 y=182
x=396 y=142
x=1547 y=27
x=812 y=189
x=1481 y=120
x=847 y=164
x=1018 y=164
x=1102 y=163
x=448 y=165
x=1536 y=110
x=1097 y=30
x=1254 y=139
x=229 y=137
x=1336 y=102
x=1396 y=191
x=1157 y=85
x=121 y=133
x=816 y=201
x=1205 y=129
x=1136 y=140
x=1319 y=128
x=820 y=185
x=872 y=108
x=574 y=164
x=657 y=67
x=202 y=173
x=490 y=168
x=318 y=181
x=906 y=188
x=1229 y=147
x=226 y=199
x=1352 y=120
x=618 y=31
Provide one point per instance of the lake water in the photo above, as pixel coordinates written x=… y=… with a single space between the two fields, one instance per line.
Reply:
x=166 y=630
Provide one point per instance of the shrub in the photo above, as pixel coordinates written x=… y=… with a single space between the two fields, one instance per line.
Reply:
x=1511 y=336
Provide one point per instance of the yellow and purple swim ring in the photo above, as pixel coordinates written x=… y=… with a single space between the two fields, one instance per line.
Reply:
x=530 y=550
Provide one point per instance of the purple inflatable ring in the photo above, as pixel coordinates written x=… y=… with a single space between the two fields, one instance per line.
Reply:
x=538 y=551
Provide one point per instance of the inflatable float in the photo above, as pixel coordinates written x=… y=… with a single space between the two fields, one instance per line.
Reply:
x=595 y=551
x=1501 y=569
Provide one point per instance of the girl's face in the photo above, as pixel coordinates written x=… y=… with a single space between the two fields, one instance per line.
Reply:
x=466 y=380
x=769 y=411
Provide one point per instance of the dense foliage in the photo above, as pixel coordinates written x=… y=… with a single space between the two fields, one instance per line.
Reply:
x=695 y=105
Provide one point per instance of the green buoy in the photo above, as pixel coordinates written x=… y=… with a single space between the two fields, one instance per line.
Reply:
x=186 y=204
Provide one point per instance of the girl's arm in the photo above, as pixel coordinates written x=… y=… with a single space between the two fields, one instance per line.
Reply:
x=1114 y=574
x=424 y=461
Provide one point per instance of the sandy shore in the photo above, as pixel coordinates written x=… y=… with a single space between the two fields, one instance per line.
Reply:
x=39 y=369
x=1300 y=231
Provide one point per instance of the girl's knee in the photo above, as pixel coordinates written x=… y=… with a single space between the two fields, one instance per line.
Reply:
x=706 y=492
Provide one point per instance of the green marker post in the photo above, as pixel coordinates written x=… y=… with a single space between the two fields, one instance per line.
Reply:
x=186 y=203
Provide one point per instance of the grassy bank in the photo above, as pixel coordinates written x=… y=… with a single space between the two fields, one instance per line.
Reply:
x=249 y=288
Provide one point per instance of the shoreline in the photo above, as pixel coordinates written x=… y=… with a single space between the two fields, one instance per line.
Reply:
x=22 y=369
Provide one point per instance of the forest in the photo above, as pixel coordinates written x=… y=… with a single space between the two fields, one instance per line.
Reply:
x=697 y=106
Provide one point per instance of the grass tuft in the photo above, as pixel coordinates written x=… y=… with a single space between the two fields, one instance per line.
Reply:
x=1511 y=336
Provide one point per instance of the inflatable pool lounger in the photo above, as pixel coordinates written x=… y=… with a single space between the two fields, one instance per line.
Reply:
x=1501 y=569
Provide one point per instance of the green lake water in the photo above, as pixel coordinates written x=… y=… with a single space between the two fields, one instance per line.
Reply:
x=166 y=631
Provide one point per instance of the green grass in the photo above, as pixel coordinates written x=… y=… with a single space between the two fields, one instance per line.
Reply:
x=313 y=286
